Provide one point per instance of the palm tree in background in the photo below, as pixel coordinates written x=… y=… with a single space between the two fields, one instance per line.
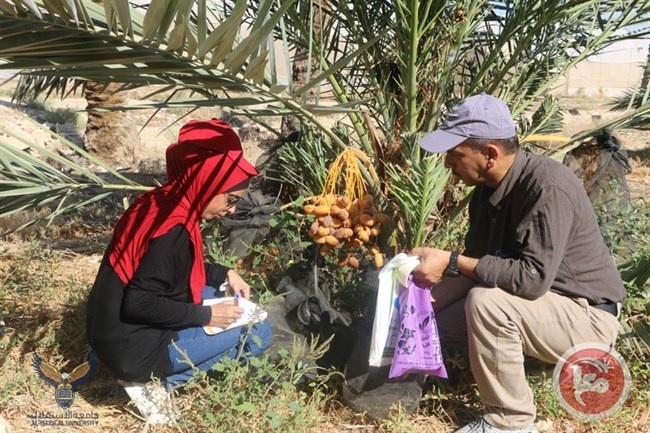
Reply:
x=392 y=69
x=112 y=135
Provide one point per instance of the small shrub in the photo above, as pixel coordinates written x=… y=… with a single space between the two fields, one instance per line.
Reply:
x=215 y=251
x=35 y=104
x=267 y=260
x=62 y=115
x=626 y=230
x=267 y=393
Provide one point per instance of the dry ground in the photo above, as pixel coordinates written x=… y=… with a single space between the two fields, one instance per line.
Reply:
x=72 y=251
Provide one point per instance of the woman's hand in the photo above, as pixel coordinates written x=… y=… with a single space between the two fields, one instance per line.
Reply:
x=224 y=314
x=237 y=285
x=433 y=263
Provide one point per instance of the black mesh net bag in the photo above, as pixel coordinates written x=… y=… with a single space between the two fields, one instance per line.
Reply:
x=303 y=310
x=602 y=165
x=250 y=222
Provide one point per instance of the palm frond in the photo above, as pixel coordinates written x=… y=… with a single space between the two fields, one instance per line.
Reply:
x=33 y=86
x=633 y=99
x=119 y=44
x=626 y=120
x=32 y=177
x=636 y=271
x=547 y=119
x=304 y=164
x=416 y=189
x=136 y=51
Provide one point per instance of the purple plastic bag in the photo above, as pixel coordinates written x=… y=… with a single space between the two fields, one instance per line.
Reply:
x=417 y=349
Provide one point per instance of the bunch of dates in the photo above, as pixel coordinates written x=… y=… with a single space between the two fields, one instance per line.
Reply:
x=343 y=224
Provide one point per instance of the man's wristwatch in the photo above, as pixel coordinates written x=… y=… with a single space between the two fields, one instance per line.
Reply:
x=452 y=268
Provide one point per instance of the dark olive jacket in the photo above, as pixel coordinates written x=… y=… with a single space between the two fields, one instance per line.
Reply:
x=537 y=232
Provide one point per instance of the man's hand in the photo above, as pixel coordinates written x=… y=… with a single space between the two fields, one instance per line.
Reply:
x=433 y=263
x=224 y=314
x=237 y=285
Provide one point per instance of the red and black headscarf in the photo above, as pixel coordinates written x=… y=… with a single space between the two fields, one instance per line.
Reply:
x=206 y=161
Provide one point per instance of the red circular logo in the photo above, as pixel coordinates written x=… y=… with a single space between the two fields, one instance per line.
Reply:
x=591 y=381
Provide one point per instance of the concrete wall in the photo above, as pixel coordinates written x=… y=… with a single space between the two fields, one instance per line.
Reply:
x=609 y=73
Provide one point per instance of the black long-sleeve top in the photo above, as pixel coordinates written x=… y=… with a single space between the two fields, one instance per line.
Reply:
x=130 y=326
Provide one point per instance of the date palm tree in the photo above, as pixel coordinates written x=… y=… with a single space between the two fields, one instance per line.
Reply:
x=392 y=67
x=436 y=53
x=175 y=45
x=112 y=135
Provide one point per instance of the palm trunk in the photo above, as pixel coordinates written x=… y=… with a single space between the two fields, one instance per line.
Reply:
x=300 y=68
x=111 y=135
x=290 y=123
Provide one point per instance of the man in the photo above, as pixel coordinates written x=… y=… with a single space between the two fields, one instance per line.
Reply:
x=535 y=277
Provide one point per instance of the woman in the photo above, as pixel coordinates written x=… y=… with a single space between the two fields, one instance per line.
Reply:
x=145 y=316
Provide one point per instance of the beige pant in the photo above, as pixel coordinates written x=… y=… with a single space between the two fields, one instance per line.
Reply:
x=499 y=328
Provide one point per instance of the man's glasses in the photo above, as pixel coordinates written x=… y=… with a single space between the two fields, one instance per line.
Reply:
x=232 y=200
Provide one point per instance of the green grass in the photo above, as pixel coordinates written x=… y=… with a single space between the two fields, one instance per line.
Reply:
x=269 y=393
x=43 y=296
x=57 y=115
x=43 y=292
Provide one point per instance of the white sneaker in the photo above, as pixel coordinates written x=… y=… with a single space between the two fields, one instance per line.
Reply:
x=479 y=425
x=152 y=400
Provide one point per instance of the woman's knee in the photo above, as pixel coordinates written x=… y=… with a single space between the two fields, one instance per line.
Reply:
x=259 y=337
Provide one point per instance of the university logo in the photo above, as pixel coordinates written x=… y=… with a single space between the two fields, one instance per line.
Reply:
x=64 y=384
x=591 y=381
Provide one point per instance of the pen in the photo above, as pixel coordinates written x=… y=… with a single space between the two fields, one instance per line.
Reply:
x=236 y=299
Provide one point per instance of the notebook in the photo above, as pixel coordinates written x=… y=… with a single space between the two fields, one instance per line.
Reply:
x=252 y=313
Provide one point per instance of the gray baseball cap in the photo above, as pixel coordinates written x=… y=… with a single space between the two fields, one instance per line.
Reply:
x=479 y=116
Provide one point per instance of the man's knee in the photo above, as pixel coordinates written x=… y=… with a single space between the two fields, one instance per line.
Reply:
x=485 y=303
x=478 y=297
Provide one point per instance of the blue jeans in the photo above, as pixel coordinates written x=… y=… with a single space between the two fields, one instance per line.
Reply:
x=205 y=350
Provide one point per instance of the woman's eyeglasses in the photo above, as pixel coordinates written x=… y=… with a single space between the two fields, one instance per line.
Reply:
x=232 y=200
